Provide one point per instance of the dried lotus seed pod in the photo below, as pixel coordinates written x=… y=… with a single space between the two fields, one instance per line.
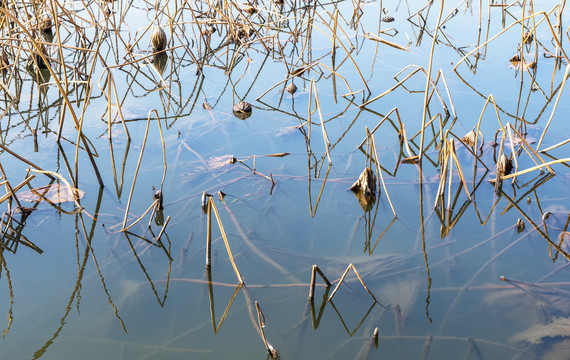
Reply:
x=291 y=88
x=242 y=110
x=158 y=39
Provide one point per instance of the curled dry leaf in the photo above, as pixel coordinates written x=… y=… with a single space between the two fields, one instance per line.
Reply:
x=520 y=226
x=54 y=193
x=504 y=165
x=469 y=138
x=365 y=189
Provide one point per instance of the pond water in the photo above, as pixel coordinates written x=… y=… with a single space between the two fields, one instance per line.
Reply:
x=429 y=250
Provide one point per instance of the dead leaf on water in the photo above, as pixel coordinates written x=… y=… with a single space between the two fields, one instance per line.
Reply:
x=55 y=193
x=559 y=327
x=218 y=162
x=278 y=154
x=287 y=130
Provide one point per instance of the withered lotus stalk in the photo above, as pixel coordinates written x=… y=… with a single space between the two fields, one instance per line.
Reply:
x=158 y=39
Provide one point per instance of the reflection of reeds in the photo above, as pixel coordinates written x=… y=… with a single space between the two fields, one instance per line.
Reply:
x=139 y=164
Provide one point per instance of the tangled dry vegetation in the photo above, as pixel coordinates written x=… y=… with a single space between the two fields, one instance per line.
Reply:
x=81 y=49
x=57 y=58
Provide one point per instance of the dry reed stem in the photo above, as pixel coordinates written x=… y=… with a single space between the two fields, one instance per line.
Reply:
x=216 y=328
x=379 y=171
x=160 y=243
x=402 y=132
x=8 y=187
x=428 y=76
x=526 y=146
x=261 y=321
x=229 y=251
x=137 y=171
x=373 y=37
x=546 y=164
x=342 y=279
x=458 y=166
x=152 y=206
x=69 y=188
x=545 y=14
x=477 y=158
x=209 y=233
x=314 y=270
x=342 y=45
x=554 y=107
x=63 y=93
x=443 y=175
x=324 y=131
x=256 y=250
x=391 y=89
x=3 y=147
